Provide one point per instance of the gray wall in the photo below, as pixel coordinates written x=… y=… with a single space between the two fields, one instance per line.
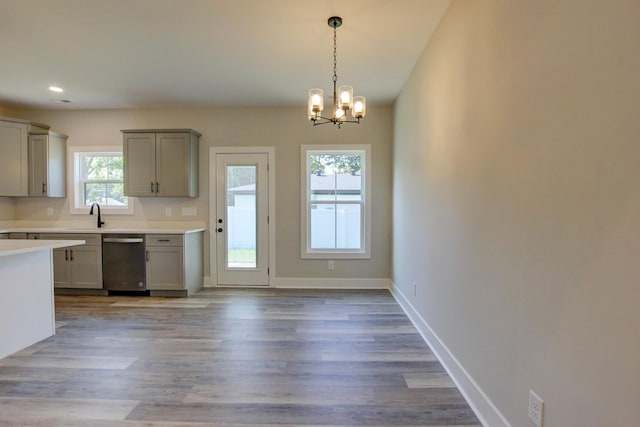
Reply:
x=517 y=203
x=284 y=128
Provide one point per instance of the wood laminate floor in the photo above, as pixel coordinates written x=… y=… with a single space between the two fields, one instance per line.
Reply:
x=230 y=357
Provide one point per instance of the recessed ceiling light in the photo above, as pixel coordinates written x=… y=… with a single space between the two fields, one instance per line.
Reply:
x=55 y=89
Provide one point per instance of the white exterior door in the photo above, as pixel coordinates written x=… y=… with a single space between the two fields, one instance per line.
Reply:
x=241 y=228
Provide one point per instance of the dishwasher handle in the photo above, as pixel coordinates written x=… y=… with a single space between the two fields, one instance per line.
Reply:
x=123 y=240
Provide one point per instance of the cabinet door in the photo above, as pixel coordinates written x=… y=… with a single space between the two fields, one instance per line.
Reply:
x=86 y=267
x=172 y=164
x=61 y=271
x=139 y=152
x=14 y=159
x=38 y=165
x=165 y=268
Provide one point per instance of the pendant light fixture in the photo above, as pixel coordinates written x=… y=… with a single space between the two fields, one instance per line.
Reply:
x=343 y=99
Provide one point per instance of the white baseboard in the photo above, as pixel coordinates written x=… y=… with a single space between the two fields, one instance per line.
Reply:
x=324 y=283
x=319 y=283
x=484 y=409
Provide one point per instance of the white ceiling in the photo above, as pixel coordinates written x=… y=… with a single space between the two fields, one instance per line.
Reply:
x=149 y=53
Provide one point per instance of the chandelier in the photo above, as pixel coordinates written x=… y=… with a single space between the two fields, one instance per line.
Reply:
x=343 y=99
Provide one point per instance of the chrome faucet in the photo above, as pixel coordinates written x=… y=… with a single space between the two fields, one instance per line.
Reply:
x=100 y=221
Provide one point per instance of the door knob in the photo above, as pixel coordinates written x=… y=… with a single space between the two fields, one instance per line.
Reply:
x=220 y=230
x=219 y=220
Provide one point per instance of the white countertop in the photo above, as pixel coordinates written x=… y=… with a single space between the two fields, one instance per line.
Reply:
x=81 y=230
x=20 y=246
x=141 y=228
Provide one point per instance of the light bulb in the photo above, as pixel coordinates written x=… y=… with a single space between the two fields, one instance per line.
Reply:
x=359 y=107
x=345 y=95
x=315 y=100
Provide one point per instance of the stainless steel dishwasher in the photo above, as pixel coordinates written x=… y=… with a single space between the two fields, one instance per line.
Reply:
x=123 y=262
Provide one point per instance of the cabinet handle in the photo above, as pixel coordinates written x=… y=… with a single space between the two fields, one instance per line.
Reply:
x=157 y=187
x=152 y=187
x=147 y=255
x=164 y=240
x=70 y=254
x=44 y=188
x=66 y=255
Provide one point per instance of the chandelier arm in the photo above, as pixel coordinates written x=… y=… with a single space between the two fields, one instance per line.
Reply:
x=320 y=120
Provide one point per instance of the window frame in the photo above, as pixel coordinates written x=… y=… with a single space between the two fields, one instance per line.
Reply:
x=75 y=187
x=364 y=252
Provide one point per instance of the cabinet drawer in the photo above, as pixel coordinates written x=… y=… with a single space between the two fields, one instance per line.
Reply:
x=164 y=240
x=90 y=239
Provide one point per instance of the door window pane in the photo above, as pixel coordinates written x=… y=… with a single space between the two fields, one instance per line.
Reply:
x=241 y=217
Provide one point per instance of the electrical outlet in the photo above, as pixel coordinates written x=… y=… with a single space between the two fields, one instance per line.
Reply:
x=49 y=211
x=167 y=211
x=536 y=408
x=331 y=265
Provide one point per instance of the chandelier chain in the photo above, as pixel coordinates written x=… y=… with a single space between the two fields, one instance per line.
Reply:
x=335 y=56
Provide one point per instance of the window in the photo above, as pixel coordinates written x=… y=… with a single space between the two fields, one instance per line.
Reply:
x=335 y=202
x=98 y=177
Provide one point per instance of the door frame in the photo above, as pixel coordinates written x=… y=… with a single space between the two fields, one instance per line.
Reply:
x=213 y=197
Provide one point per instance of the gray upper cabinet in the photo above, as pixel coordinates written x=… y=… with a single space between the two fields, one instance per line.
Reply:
x=14 y=160
x=32 y=160
x=161 y=162
x=47 y=164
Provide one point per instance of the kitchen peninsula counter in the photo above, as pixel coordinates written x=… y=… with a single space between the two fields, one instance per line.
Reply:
x=27 y=312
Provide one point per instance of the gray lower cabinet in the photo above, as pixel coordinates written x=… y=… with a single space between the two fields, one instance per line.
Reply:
x=174 y=263
x=78 y=267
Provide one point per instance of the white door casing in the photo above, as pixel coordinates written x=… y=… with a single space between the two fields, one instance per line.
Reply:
x=242 y=216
